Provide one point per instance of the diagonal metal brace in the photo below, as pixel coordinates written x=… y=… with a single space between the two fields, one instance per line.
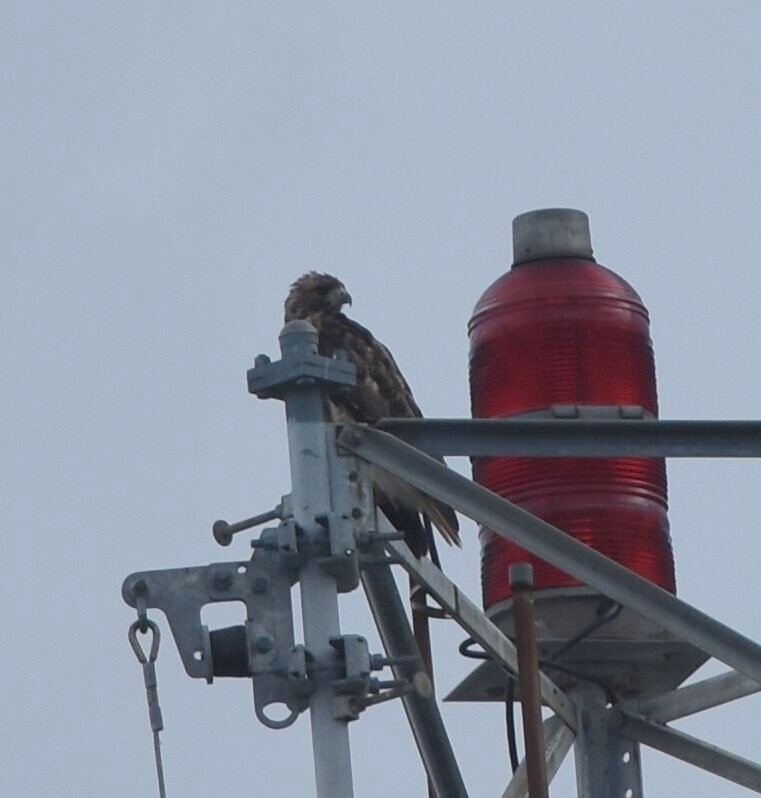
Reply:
x=558 y=741
x=556 y=547
x=688 y=748
x=420 y=704
x=698 y=696
x=478 y=626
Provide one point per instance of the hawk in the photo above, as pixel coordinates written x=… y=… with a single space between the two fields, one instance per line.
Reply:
x=381 y=392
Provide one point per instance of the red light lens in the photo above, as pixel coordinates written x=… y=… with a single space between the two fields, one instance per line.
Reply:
x=569 y=331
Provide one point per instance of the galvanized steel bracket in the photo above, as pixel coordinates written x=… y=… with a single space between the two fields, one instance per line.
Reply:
x=263 y=648
x=301 y=363
x=263 y=585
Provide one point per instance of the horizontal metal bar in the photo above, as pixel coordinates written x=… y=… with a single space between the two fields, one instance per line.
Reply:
x=558 y=741
x=478 y=626
x=556 y=547
x=689 y=749
x=578 y=437
x=698 y=696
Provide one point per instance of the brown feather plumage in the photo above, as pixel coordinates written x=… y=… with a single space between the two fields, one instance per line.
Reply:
x=381 y=392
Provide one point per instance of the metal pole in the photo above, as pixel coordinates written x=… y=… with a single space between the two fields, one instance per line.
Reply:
x=578 y=437
x=521 y=577
x=464 y=612
x=307 y=449
x=556 y=547
x=607 y=764
x=422 y=711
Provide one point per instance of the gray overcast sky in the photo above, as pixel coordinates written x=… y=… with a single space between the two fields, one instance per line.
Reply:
x=169 y=168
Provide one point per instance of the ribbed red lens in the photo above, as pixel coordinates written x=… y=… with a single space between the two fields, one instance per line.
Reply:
x=569 y=331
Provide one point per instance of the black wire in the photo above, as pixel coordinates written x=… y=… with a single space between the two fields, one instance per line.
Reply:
x=512 y=743
x=465 y=651
x=606 y=611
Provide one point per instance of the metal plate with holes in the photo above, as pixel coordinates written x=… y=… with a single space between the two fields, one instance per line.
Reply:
x=181 y=593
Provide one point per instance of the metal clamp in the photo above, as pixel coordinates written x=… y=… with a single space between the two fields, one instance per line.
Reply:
x=263 y=585
x=343 y=561
x=356 y=689
x=301 y=363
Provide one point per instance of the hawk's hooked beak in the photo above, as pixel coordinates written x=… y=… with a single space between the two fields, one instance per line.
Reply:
x=337 y=298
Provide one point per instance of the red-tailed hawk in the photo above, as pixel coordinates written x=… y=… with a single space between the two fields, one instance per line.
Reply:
x=381 y=392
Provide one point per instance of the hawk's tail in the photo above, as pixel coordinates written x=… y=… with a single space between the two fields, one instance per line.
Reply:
x=403 y=505
x=444 y=519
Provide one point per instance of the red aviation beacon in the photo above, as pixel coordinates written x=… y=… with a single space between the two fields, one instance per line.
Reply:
x=560 y=336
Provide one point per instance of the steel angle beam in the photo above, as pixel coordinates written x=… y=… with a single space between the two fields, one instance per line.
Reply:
x=558 y=739
x=583 y=437
x=689 y=749
x=420 y=707
x=698 y=696
x=556 y=547
x=478 y=626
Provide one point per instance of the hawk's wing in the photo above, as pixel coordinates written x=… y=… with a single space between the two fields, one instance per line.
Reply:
x=382 y=392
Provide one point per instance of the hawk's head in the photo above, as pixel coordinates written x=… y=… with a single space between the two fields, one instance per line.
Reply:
x=315 y=293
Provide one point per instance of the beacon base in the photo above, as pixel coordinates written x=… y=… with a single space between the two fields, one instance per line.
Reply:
x=630 y=655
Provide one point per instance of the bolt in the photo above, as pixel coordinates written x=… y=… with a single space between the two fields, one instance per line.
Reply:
x=140 y=586
x=356 y=513
x=378 y=661
x=223 y=580
x=263 y=643
x=353 y=476
x=262 y=360
x=351 y=437
x=260 y=584
x=222 y=532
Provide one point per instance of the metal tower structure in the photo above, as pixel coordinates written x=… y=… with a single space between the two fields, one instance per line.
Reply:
x=331 y=540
